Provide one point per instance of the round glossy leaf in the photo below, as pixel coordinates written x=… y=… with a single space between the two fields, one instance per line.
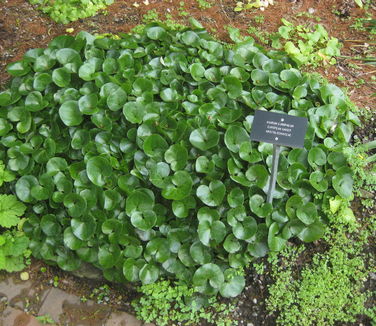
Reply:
x=70 y=113
x=61 y=77
x=179 y=186
x=34 y=102
x=134 y=112
x=149 y=273
x=88 y=104
x=133 y=251
x=159 y=249
x=156 y=33
x=83 y=228
x=87 y=71
x=131 y=269
x=142 y=85
x=144 y=220
x=235 y=198
x=67 y=55
x=292 y=204
x=337 y=160
x=290 y=78
x=177 y=156
x=259 y=206
x=139 y=201
x=116 y=99
x=343 y=182
x=190 y=38
x=98 y=169
x=169 y=95
x=159 y=173
x=272 y=66
x=233 y=285
x=18 y=68
x=234 y=137
x=204 y=138
x=258 y=249
x=50 y=225
x=41 y=81
x=231 y=244
x=71 y=241
x=199 y=253
x=197 y=71
x=184 y=255
x=312 y=232
x=181 y=208
x=245 y=230
x=208 y=273
x=155 y=146
x=24 y=186
x=108 y=255
x=234 y=215
x=318 y=181
x=89 y=255
x=128 y=183
x=68 y=261
x=204 y=165
x=316 y=157
x=55 y=165
x=260 y=77
x=307 y=213
x=213 y=194
x=215 y=231
x=258 y=175
x=213 y=74
x=233 y=86
x=111 y=199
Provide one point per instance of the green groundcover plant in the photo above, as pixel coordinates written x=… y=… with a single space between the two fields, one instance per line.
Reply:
x=133 y=154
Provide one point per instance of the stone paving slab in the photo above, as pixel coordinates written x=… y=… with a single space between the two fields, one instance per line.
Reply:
x=23 y=294
x=122 y=319
x=67 y=309
x=21 y=299
x=16 y=317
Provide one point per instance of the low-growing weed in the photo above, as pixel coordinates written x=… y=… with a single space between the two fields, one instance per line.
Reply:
x=164 y=302
x=45 y=319
x=326 y=291
x=101 y=294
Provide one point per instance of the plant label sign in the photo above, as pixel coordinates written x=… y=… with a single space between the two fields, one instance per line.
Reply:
x=279 y=129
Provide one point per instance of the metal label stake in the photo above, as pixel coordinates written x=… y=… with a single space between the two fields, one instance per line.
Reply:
x=279 y=130
x=273 y=176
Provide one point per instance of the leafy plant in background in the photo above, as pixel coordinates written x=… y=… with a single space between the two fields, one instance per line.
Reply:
x=249 y=4
x=13 y=243
x=203 y=4
x=364 y=167
x=65 y=11
x=305 y=45
x=133 y=154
